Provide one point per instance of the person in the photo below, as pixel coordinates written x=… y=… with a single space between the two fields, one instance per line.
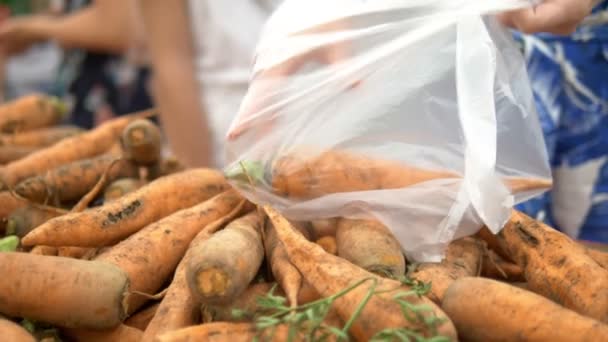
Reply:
x=568 y=70
x=201 y=53
x=95 y=75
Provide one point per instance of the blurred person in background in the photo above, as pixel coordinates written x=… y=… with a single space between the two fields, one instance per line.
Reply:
x=568 y=68
x=97 y=75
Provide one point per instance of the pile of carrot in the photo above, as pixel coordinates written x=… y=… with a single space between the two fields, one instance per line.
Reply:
x=104 y=239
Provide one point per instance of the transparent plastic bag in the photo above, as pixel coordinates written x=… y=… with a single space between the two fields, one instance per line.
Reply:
x=416 y=113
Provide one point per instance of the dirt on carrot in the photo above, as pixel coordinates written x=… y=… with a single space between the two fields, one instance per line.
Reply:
x=225 y=332
x=141 y=142
x=121 y=333
x=30 y=112
x=487 y=310
x=495 y=267
x=12 y=153
x=41 y=137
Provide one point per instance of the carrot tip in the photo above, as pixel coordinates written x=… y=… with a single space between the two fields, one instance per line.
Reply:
x=9 y=243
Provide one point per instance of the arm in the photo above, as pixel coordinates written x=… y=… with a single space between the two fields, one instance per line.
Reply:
x=105 y=25
x=554 y=16
x=176 y=90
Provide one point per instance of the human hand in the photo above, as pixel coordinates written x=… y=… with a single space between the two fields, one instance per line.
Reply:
x=18 y=34
x=552 y=16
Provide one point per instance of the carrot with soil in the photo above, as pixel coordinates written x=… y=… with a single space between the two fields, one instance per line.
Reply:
x=121 y=333
x=463 y=258
x=493 y=266
x=384 y=298
x=324 y=227
x=557 y=267
x=142 y=318
x=77 y=293
x=113 y=221
x=82 y=146
x=71 y=181
x=31 y=112
x=329 y=244
x=223 y=266
x=41 y=137
x=224 y=332
x=371 y=246
x=149 y=256
x=12 y=153
x=23 y=220
x=141 y=142
x=488 y=310
x=10 y=203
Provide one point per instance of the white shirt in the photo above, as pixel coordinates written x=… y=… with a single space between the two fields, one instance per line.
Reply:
x=225 y=33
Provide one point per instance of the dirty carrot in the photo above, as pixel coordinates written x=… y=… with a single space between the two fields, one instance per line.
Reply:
x=121 y=333
x=245 y=302
x=179 y=309
x=140 y=319
x=284 y=272
x=600 y=257
x=141 y=142
x=113 y=221
x=23 y=220
x=149 y=256
x=225 y=332
x=41 y=137
x=492 y=243
x=223 y=266
x=487 y=310
x=324 y=227
x=76 y=293
x=82 y=146
x=371 y=246
x=12 y=331
x=329 y=244
x=463 y=258
x=9 y=203
x=121 y=187
x=76 y=252
x=71 y=181
x=12 y=153
x=44 y=250
x=31 y=112
x=330 y=274
x=493 y=266
x=557 y=267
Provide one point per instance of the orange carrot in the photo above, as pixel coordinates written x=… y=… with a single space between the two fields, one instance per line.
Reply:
x=121 y=333
x=303 y=175
x=556 y=266
x=11 y=331
x=76 y=252
x=495 y=267
x=71 y=181
x=600 y=257
x=324 y=227
x=9 y=203
x=179 y=309
x=12 y=153
x=329 y=244
x=487 y=310
x=23 y=220
x=246 y=301
x=82 y=146
x=118 y=219
x=223 y=266
x=142 y=318
x=492 y=243
x=149 y=256
x=41 y=137
x=329 y=274
x=44 y=250
x=141 y=142
x=30 y=112
x=463 y=258
x=121 y=187
x=75 y=293
x=371 y=246
x=225 y=332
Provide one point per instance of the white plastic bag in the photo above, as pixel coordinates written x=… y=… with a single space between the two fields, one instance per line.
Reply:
x=435 y=87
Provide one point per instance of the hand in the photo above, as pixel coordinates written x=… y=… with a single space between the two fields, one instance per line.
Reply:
x=552 y=16
x=259 y=95
x=18 y=34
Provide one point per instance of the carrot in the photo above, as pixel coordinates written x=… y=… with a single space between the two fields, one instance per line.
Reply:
x=600 y=257
x=108 y=224
x=495 y=267
x=12 y=331
x=329 y=274
x=178 y=309
x=41 y=137
x=75 y=293
x=71 y=181
x=463 y=258
x=488 y=310
x=141 y=318
x=141 y=142
x=11 y=153
x=121 y=187
x=149 y=256
x=324 y=227
x=121 y=333
x=556 y=266
x=311 y=175
x=9 y=203
x=76 y=252
x=285 y=273
x=31 y=112
x=224 y=265
x=225 y=332
x=246 y=301
x=170 y=165
x=23 y=220
x=82 y=146
x=329 y=244
x=44 y=250
x=371 y=246
x=492 y=243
